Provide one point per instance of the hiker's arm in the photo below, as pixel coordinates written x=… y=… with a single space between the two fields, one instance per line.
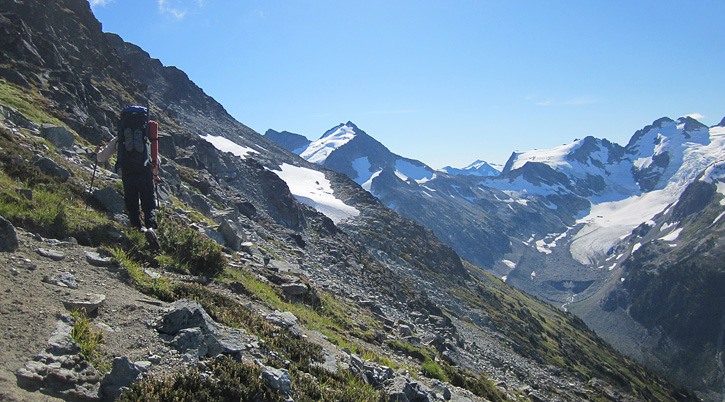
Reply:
x=154 y=139
x=105 y=154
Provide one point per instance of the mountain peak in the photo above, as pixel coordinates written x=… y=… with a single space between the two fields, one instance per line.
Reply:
x=477 y=168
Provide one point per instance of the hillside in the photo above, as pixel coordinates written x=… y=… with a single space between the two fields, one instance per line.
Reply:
x=276 y=279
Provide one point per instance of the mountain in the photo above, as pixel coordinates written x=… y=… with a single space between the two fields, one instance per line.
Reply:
x=477 y=168
x=554 y=222
x=275 y=279
x=290 y=141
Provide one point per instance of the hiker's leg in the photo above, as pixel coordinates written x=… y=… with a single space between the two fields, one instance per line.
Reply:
x=130 y=198
x=148 y=199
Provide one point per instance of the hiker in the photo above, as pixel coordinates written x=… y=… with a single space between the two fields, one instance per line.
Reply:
x=136 y=146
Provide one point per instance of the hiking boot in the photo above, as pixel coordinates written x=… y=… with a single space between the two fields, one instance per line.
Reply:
x=152 y=238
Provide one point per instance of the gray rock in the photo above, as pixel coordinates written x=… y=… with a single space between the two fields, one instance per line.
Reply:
x=57 y=135
x=50 y=167
x=283 y=319
x=294 y=289
x=191 y=339
x=404 y=389
x=277 y=379
x=60 y=370
x=405 y=330
x=216 y=236
x=232 y=233
x=185 y=314
x=8 y=236
x=52 y=254
x=63 y=279
x=97 y=260
x=122 y=375
x=195 y=333
x=89 y=304
x=110 y=199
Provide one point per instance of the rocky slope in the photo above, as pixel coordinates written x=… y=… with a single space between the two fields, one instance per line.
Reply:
x=300 y=298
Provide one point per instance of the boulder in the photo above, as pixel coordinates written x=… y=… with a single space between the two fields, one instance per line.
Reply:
x=194 y=331
x=232 y=233
x=277 y=379
x=51 y=168
x=110 y=199
x=123 y=373
x=59 y=136
x=88 y=304
x=8 y=236
x=98 y=260
x=284 y=319
x=62 y=279
x=54 y=255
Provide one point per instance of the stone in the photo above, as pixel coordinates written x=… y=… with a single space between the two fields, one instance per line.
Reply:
x=89 y=304
x=52 y=254
x=97 y=260
x=59 y=136
x=277 y=379
x=63 y=279
x=123 y=373
x=283 y=319
x=50 y=167
x=294 y=289
x=110 y=199
x=196 y=334
x=8 y=236
x=185 y=314
x=232 y=233
x=189 y=339
x=60 y=370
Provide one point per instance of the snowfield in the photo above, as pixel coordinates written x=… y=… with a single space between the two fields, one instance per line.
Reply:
x=609 y=222
x=312 y=188
x=226 y=145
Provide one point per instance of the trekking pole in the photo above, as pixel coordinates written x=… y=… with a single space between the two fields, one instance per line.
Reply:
x=93 y=177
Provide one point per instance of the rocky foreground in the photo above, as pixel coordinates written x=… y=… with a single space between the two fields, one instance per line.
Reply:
x=45 y=279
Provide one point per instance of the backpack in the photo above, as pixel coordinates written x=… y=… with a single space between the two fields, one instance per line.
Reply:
x=137 y=140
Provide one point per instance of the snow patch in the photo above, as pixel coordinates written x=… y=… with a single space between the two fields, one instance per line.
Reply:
x=227 y=145
x=718 y=218
x=406 y=170
x=509 y=264
x=672 y=236
x=312 y=188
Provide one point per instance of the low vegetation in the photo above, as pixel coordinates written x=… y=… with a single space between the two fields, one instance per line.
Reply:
x=89 y=340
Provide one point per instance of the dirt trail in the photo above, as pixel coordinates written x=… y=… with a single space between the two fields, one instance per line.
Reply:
x=30 y=308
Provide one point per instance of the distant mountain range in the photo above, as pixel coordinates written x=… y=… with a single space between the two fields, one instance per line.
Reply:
x=571 y=223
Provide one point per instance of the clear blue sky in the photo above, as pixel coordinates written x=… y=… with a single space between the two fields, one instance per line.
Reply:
x=446 y=82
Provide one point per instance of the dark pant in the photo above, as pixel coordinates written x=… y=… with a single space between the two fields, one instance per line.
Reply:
x=140 y=186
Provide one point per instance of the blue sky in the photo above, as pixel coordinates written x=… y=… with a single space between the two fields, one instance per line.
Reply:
x=445 y=82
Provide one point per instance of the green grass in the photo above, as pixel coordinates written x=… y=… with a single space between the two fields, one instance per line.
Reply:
x=89 y=340
x=28 y=102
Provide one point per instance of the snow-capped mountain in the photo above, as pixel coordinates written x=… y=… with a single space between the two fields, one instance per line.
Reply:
x=349 y=150
x=477 y=168
x=564 y=223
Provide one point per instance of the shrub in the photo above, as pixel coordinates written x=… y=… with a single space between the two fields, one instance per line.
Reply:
x=230 y=381
x=190 y=251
